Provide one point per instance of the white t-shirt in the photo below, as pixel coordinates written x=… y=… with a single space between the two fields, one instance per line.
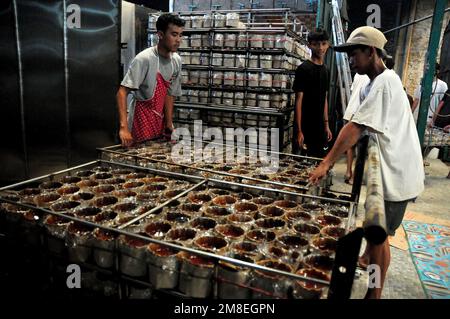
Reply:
x=385 y=111
x=439 y=88
x=359 y=81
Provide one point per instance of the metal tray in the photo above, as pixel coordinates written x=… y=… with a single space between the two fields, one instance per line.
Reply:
x=126 y=229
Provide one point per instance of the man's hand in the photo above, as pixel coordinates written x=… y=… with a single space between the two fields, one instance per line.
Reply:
x=329 y=134
x=321 y=171
x=125 y=137
x=300 y=139
x=447 y=129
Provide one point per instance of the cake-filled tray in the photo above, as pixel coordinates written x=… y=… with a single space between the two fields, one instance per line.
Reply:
x=246 y=165
x=182 y=232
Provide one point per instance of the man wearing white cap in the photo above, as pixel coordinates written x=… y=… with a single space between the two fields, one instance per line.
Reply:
x=381 y=109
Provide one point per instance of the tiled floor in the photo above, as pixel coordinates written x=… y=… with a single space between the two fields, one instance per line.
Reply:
x=402 y=281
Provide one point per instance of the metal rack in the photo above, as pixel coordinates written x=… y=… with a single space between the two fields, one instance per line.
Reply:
x=136 y=156
x=225 y=84
x=19 y=229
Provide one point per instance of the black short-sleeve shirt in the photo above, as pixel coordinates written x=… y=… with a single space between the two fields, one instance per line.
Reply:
x=312 y=80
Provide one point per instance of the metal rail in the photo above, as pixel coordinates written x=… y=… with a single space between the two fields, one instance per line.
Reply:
x=168 y=244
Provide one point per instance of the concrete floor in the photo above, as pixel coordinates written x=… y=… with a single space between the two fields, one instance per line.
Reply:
x=402 y=281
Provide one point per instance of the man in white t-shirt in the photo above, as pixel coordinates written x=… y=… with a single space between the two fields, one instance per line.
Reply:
x=381 y=109
x=438 y=90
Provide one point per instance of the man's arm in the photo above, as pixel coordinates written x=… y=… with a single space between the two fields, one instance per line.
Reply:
x=325 y=119
x=168 y=112
x=298 y=107
x=438 y=110
x=124 y=132
x=348 y=137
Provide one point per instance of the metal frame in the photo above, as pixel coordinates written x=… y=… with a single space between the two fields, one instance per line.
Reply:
x=217 y=183
x=118 y=150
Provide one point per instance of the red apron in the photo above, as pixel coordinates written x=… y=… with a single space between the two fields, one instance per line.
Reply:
x=148 y=120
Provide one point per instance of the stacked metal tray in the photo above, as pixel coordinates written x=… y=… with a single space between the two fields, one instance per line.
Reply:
x=291 y=172
x=180 y=233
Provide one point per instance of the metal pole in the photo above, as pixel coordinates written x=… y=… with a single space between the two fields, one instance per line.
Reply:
x=319 y=13
x=427 y=81
x=413 y=22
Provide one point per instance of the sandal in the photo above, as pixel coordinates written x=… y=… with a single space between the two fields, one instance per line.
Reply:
x=348 y=180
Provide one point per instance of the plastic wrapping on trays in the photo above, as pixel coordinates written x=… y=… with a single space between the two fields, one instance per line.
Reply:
x=217 y=97
x=229 y=60
x=240 y=61
x=197 y=22
x=194 y=76
x=218 y=40
x=193 y=95
x=219 y=20
x=269 y=41
x=253 y=79
x=228 y=97
x=232 y=19
x=242 y=40
x=203 y=96
x=240 y=80
x=256 y=40
x=253 y=61
x=184 y=76
x=238 y=96
x=265 y=61
x=251 y=99
x=203 y=77
x=265 y=80
x=207 y=21
x=196 y=40
x=229 y=79
x=218 y=78
x=195 y=58
x=185 y=43
x=217 y=59
x=280 y=81
x=152 y=22
x=229 y=40
x=185 y=57
x=187 y=22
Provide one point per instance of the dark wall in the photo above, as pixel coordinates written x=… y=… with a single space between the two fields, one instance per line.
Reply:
x=390 y=14
x=12 y=152
x=68 y=82
x=162 y=5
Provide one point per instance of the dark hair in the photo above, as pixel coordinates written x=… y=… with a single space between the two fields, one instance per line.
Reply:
x=162 y=24
x=318 y=35
x=437 y=67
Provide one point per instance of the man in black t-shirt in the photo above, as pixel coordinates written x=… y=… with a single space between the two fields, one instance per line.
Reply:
x=311 y=130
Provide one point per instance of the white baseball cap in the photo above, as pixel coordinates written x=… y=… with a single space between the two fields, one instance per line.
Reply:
x=366 y=35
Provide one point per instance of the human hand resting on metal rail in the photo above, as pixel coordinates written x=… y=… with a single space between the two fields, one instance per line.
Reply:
x=447 y=129
x=125 y=137
x=320 y=172
x=300 y=139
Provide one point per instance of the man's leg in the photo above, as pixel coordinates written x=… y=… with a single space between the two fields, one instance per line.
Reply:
x=380 y=254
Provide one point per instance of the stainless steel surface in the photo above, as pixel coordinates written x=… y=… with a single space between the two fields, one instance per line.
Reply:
x=57 y=245
x=55 y=115
x=93 y=65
